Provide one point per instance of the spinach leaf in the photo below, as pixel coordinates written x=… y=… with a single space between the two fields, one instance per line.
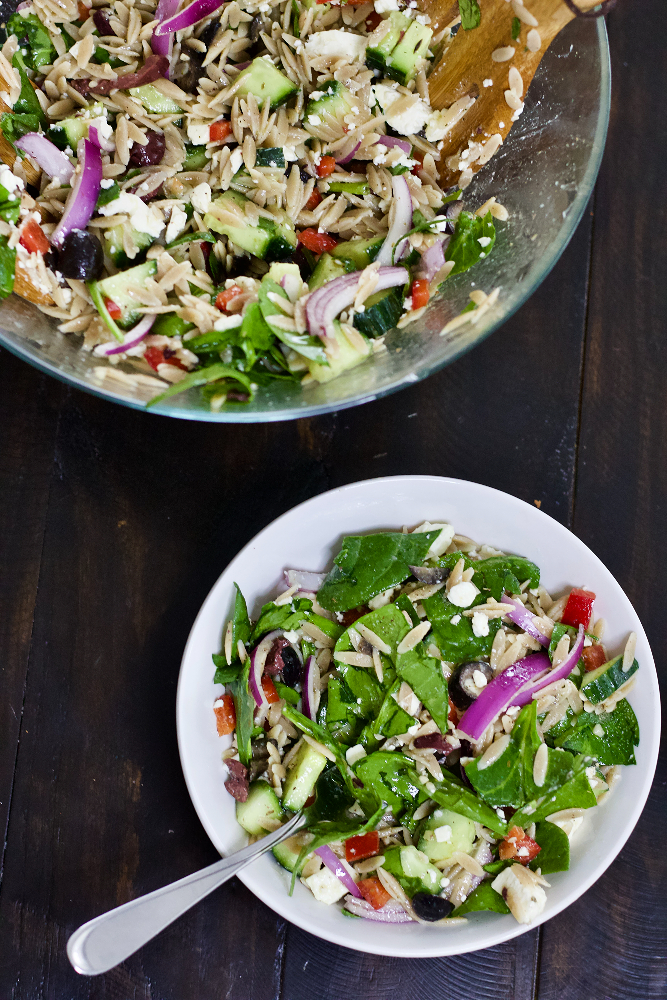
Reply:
x=558 y=632
x=453 y=794
x=455 y=639
x=367 y=565
x=505 y=573
x=13 y=126
x=566 y=786
x=107 y=195
x=9 y=206
x=465 y=248
x=509 y=780
x=302 y=343
x=424 y=675
x=392 y=778
x=285 y=616
x=203 y=376
x=331 y=796
x=516 y=28
x=388 y=623
x=403 y=603
x=7 y=267
x=391 y=720
x=555 y=853
x=255 y=330
x=288 y=693
x=470 y=14
x=614 y=745
x=484 y=897
x=226 y=672
x=244 y=705
x=27 y=102
x=40 y=51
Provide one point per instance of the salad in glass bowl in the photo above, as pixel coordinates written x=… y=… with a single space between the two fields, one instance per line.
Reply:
x=440 y=718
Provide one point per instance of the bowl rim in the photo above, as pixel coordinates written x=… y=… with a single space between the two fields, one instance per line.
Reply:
x=433 y=947
x=547 y=262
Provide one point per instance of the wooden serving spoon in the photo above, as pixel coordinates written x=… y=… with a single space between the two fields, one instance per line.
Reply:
x=477 y=64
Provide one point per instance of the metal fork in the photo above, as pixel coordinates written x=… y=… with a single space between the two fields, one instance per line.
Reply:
x=109 y=939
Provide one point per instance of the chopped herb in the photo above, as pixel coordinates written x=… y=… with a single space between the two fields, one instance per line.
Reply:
x=516 y=28
x=470 y=14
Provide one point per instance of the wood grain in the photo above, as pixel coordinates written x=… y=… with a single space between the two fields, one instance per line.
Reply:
x=611 y=944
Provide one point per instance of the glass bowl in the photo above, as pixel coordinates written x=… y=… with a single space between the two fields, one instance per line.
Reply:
x=543 y=174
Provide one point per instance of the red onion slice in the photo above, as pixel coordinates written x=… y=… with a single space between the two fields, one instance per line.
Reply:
x=161 y=44
x=502 y=692
x=309 y=582
x=524 y=618
x=197 y=11
x=257 y=663
x=391 y=913
x=433 y=259
x=348 y=156
x=389 y=141
x=47 y=155
x=95 y=135
x=132 y=337
x=311 y=692
x=525 y=696
x=401 y=224
x=327 y=302
x=335 y=865
x=85 y=190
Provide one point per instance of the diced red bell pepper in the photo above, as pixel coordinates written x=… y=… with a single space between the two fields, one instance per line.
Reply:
x=326 y=166
x=224 y=298
x=579 y=608
x=314 y=200
x=372 y=21
x=518 y=846
x=593 y=656
x=365 y=845
x=33 y=238
x=420 y=293
x=220 y=130
x=317 y=242
x=154 y=356
x=269 y=689
x=114 y=310
x=225 y=715
x=373 y=892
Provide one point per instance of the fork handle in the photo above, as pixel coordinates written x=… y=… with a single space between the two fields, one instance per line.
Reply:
x=109 y=939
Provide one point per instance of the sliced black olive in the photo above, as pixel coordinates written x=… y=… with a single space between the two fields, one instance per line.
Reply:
x=209 y=32
x=430 y=574
x=80 y=256
x=188 y=74
x=429 y=907
x=256 y=26
x=101 y=18
x=151 y=154
x=292 y=668
x=462 y=687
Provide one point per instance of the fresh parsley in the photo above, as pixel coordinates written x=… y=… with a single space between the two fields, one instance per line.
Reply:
x=516 y=28
x=470 y=14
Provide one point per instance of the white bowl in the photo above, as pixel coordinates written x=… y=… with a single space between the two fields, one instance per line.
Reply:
x=307 y=537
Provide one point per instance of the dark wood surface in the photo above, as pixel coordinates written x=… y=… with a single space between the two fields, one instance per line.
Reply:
x=114 y=525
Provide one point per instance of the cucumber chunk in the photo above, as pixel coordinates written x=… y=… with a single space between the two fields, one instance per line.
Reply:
x=382 y=312
x=287 y=853
x=349 y=187
x=115 y=243
x=125 y=289
x=155 y=102
x=360 y=253
x=348 y=356
x=412 y=869
x=68 y=131
x=268 y=240
x=265 y=82
x=403 y=62
x=301 y=776
x=601 y=683
x=457 y=834
x=326 y=269
x=196 y=157
x=261 y=807
x=333 y=103
x=377 y=56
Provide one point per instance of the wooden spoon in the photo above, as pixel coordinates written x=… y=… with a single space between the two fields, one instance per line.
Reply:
x=477 y=64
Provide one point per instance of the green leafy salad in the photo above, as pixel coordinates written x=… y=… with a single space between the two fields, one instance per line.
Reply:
x=442 y=721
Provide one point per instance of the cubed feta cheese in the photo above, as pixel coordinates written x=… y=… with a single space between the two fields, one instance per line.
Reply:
x=325 y=887
x=335 y=44
x=199 y=133
x=354 y=754
x=463 y=594
x=177 y=223
x=520 y=889
x=443 y=834
x=407 y=114
x=480 y=627
x=201 y=198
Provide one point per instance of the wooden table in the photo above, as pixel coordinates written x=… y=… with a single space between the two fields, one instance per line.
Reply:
x=115 y=524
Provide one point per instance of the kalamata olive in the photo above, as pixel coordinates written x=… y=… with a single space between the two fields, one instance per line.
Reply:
x=209 y=32
x=151 y=154
x=80 y=256
x=292 y=668
x=463 y=688
x=101 y=18
x=429 y=907
x=305 y=177
x=430 y=574
x=188 y=74
x=256 y=26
